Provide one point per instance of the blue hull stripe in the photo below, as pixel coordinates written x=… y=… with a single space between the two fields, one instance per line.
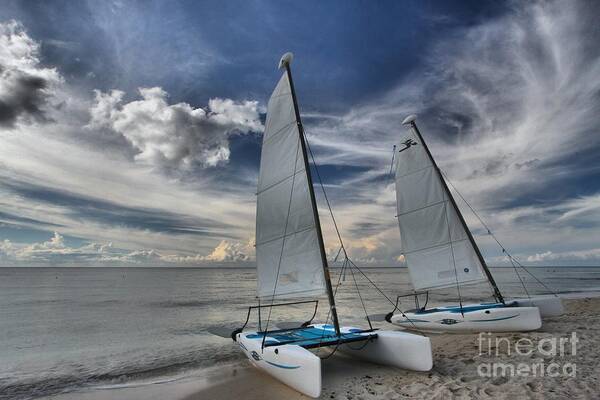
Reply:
x=465 y=309
x=475 y=320
x=409 y=320
x=496 y=319
x=283 y=366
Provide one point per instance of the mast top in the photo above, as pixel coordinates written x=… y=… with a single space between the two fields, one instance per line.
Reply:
x=411 y=118
x=286 y=59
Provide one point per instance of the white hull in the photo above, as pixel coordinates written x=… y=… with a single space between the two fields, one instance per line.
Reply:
x=397 y=349
x=549 y=306
x=291 y=364
x=300 y=369
x=476 y=318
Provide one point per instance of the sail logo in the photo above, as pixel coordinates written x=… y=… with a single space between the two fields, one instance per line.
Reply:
x=407 y=144
x=531 y=356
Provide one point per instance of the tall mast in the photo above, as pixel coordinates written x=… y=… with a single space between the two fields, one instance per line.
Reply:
x=410 y=120
x=285 y=62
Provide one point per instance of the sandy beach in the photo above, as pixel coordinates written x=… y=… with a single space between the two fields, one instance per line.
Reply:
x=459 y=363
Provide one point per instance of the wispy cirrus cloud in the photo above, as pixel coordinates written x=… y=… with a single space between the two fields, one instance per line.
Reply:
x=511 y=111
x=509 y=105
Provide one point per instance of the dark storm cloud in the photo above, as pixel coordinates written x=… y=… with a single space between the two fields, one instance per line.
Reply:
x=27 y=97
x=25 y=85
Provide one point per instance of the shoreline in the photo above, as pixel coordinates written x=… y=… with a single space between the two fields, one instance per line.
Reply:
x=455 y=374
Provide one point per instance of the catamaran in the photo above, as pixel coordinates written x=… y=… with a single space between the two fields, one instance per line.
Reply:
x=440 y=252
x=291 y=264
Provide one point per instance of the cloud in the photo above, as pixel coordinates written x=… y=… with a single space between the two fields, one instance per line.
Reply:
x=107 y=212
x=584 y=209
x=25 y=86
x=6 y=249
x=508 y=105
x=510 y=110
x=227 y=251
x=53 y=250
x=93 y=166
x=579 y=255
x=56 y=251
x=174 y=135
x=224 y=252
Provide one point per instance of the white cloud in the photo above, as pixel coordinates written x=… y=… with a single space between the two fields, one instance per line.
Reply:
x=227 y=251
x=6 y=249
x=579 y=255
x=224 y=252
x=95 y=164
x=174 y=135
x=55 y=251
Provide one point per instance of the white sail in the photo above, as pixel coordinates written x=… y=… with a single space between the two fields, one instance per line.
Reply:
x=288 y=255
x=435 y=244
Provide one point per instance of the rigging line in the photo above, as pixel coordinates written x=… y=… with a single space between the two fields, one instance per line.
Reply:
x=383 y=294
x=533 y=276
x=366 y=342
x=337 y=255
x=489 y=231
x=336 y=228
x=333 y=219
x=486 y=227
x=453 y=258
x=329 y=312
x=346 y=263
x=392 y=164
x=361 y=299
x=338 y=231
x=287 y=218
x=334 y=293
x=519 y=276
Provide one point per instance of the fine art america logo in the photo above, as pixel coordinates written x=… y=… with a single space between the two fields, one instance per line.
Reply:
x=546 y=357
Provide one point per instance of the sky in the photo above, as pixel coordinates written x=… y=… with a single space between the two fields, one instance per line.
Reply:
x=130 y=131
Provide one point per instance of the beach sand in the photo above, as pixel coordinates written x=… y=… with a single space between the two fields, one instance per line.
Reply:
x=456 y=373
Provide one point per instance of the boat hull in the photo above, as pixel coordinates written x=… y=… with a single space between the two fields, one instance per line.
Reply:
x=398 y=349
x=549 y=306
x=474 y=318
x=300 y=369
x=291 y=364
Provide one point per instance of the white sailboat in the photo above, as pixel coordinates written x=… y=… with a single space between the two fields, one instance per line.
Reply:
x=291 y=264
x=440 y=252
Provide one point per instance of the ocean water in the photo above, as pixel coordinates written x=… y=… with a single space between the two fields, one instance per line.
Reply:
x=62 y=329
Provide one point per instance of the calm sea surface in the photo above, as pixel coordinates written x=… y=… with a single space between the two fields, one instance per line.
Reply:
x=65 y=328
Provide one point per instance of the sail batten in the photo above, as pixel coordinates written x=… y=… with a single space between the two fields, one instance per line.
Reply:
x=284 y=236
x=288 y=256
x=281 y=181
x=434 y=242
